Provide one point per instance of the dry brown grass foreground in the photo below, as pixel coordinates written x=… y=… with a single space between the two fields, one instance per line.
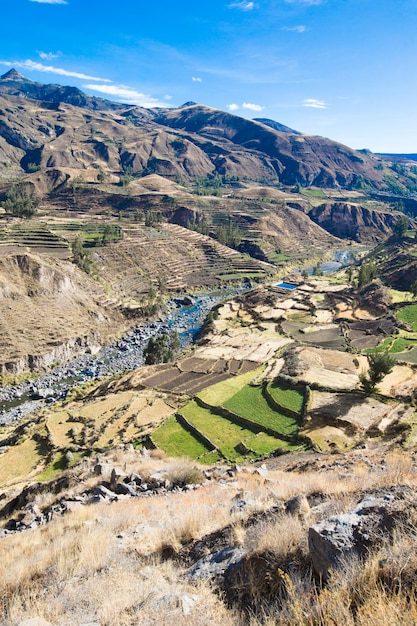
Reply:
x=102 y=563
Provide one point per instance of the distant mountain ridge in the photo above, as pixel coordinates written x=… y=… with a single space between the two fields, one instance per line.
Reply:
x=190 y=141
x=13 y=83
x=276 y=125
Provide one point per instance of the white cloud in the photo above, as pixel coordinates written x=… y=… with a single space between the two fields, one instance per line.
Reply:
x=233 y=107
x=167 y=97
x=39 y=67
x=48 y=56
x=243 y=6
x=252 y=107
x=127 y=95
x=314 y=104
x=197 y=79
x=50 y=1
x=295 y=29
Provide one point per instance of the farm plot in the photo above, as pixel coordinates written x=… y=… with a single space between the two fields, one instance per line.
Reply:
x=354 y=412
x=331 y=368
x=251 y=404
x=63 y=428
x=226 y=435
x=288 y=398
x=216 y=395
x=330 y=336
x=20 y=460
x=408 y=314
x=174 y=440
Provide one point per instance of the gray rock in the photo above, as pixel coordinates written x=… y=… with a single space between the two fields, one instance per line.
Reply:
x=215 y=565
x=262 y=470
x=172 y=601
x=126 y=490
x=102 y=493
x=134 y=478
x=115 y=477
x=340 y=537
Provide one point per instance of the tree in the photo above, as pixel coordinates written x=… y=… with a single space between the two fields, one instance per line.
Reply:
x=111 y=233
x=229 y=235
x=367 y=272
x=19 y=202
x=401 y=226
x=161 y=349
x=81 y=256
x=380 y=364
x=413 y=289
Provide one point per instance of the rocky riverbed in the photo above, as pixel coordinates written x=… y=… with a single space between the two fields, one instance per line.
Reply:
x=184 y=315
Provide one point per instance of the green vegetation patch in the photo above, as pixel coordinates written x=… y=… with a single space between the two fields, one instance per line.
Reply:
x=264 y=444
x=278 y=258
x=216 y=395
x=249 y=402
x=58 y=465
x=211 y=458
x=408 y=314
x=402 y=343
x=174 y=440
x=222 y=432
x=288 y=398
x=382 y=347
x=394 y=345
x=313 y=193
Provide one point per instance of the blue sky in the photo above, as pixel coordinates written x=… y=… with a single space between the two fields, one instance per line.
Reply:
x=345 y=69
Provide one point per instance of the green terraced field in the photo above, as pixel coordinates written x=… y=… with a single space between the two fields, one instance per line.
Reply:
x=409 y=314
x=394 y=345
x=291 y=399
x=250 y=403
x=265 y=444
x=216 y=395
x=223 y=433
x=174 y=440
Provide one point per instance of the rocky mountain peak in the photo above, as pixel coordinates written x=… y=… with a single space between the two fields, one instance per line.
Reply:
x=13 y=75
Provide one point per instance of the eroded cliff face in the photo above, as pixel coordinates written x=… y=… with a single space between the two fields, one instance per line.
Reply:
x=353 y=221
x=398 y=265
x=49 y=311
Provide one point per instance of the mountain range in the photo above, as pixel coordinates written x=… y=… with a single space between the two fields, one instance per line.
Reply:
x=51 y=126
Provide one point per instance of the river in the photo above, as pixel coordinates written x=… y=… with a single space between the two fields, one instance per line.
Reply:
x=122 y=355
x=125 y=354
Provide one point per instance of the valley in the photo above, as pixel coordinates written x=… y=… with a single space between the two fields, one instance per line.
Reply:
x=208 y=332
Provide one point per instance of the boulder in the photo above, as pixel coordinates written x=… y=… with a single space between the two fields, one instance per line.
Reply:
x=101 y=493
x=126 y=490
x=213 y=566
x=341 y=537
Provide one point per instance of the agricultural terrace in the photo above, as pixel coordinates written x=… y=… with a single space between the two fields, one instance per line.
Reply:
x=287 y=398
x=251 y=403
x=177 y=441
x=226 y=435
x=408 y=314
x=218 y=394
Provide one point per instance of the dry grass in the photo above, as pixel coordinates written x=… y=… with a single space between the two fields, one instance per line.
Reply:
x=79 y=569
x=100 y=563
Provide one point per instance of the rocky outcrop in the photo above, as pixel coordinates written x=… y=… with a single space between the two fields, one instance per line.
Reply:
x=375 y=298
x=49 y=312
x=336 y=540
x=353 y=221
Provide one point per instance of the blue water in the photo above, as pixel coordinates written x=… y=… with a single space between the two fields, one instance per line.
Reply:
x=288 y=286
